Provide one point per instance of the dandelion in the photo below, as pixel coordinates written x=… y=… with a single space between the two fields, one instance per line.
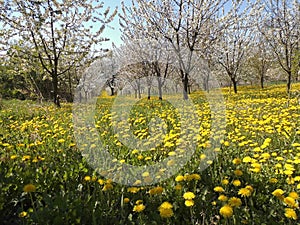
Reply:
x=179 y=178
x=278 y=193
x=139 y=208
x=165 y=210
x=189 y=195
x=23 y=214
x=126 y=200
x=87 y=178
x=294 y=195
x=156 y=190
x=189 y=202
x=290 y=202
x=235 y=202
x=226 y=211
x=238 y=172
x=222 y=198
x=225 y=181
x=237 y=183
x=244 y=192
x=107 y=187
x=219 y=189
x=290 y=213
x=237 y=161
x=29 y=188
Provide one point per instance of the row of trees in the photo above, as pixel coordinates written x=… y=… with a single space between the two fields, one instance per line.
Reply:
x=238 y=38
x=47 y=44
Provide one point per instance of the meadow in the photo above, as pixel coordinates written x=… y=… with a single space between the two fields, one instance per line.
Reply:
x=253 y=178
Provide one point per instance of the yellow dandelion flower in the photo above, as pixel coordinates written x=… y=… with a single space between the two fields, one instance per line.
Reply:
x=179 y=178
x=189 y=195
x=238 y=172
x=29 y=188
x=225 y=181
x=13 y=157
x=237 y=183
x=294 y=195
x=126 y=200
x=133 y=190
x=278 y=193
x=166 y=213
x=290 y=201
x=244 y=192
x=156 y=190
x=226 y=211
x=139 y=208
x=222 y=198
x=237 y=161
x=23 y=214
x=189 y=202
x=166 y=205
x=235 y=202
x=290 y=213
x=107 y=187
x=87 y=178
x=219 y=189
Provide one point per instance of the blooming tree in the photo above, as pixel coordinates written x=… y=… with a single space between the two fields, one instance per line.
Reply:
x=62 y=32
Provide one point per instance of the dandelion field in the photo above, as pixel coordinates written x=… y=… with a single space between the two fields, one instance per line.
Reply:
x=253 y=179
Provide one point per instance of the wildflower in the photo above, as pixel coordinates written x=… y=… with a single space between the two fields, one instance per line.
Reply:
x=236 y=161
x=235 y=202
x=179 y=178
x=178 y=187
x=189 y=195
x=236 y=183
x=87 y=178
x=278 y=193
x=23 y=214
x=238 y=172
x=222 y=198
x=139 y=208
x=294 y=195
x=189 y=202
x=165 y=210
x=126 y=200
x=225 y=181
x=133 y=190
x=219 y=189
x=244 y=192
x=29 y=188
x=290 y=202
x=156 y=190
x=226 y=211
x=13 y=157
x=290 y=213
x=107 y=187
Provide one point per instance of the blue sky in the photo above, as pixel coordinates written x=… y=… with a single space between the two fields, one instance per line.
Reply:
x=113 y=34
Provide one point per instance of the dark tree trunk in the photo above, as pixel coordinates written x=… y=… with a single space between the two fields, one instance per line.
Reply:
x=289 y=81
x=262 y=80
x=112 y=91
x=234 y=83
x=185 y=86
x=55 y=90
x=159 y=88
x=149 y=93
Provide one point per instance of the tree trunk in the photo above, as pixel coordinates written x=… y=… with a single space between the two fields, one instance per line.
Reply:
x=262 y=80
x=289 y=81
x=185 y=86
x=55 y=90
x=112 y=91
x=149 y=93
x=159 y=88
x=234 y=83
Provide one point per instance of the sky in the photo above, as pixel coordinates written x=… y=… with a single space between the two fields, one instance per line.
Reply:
x=113 y=34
